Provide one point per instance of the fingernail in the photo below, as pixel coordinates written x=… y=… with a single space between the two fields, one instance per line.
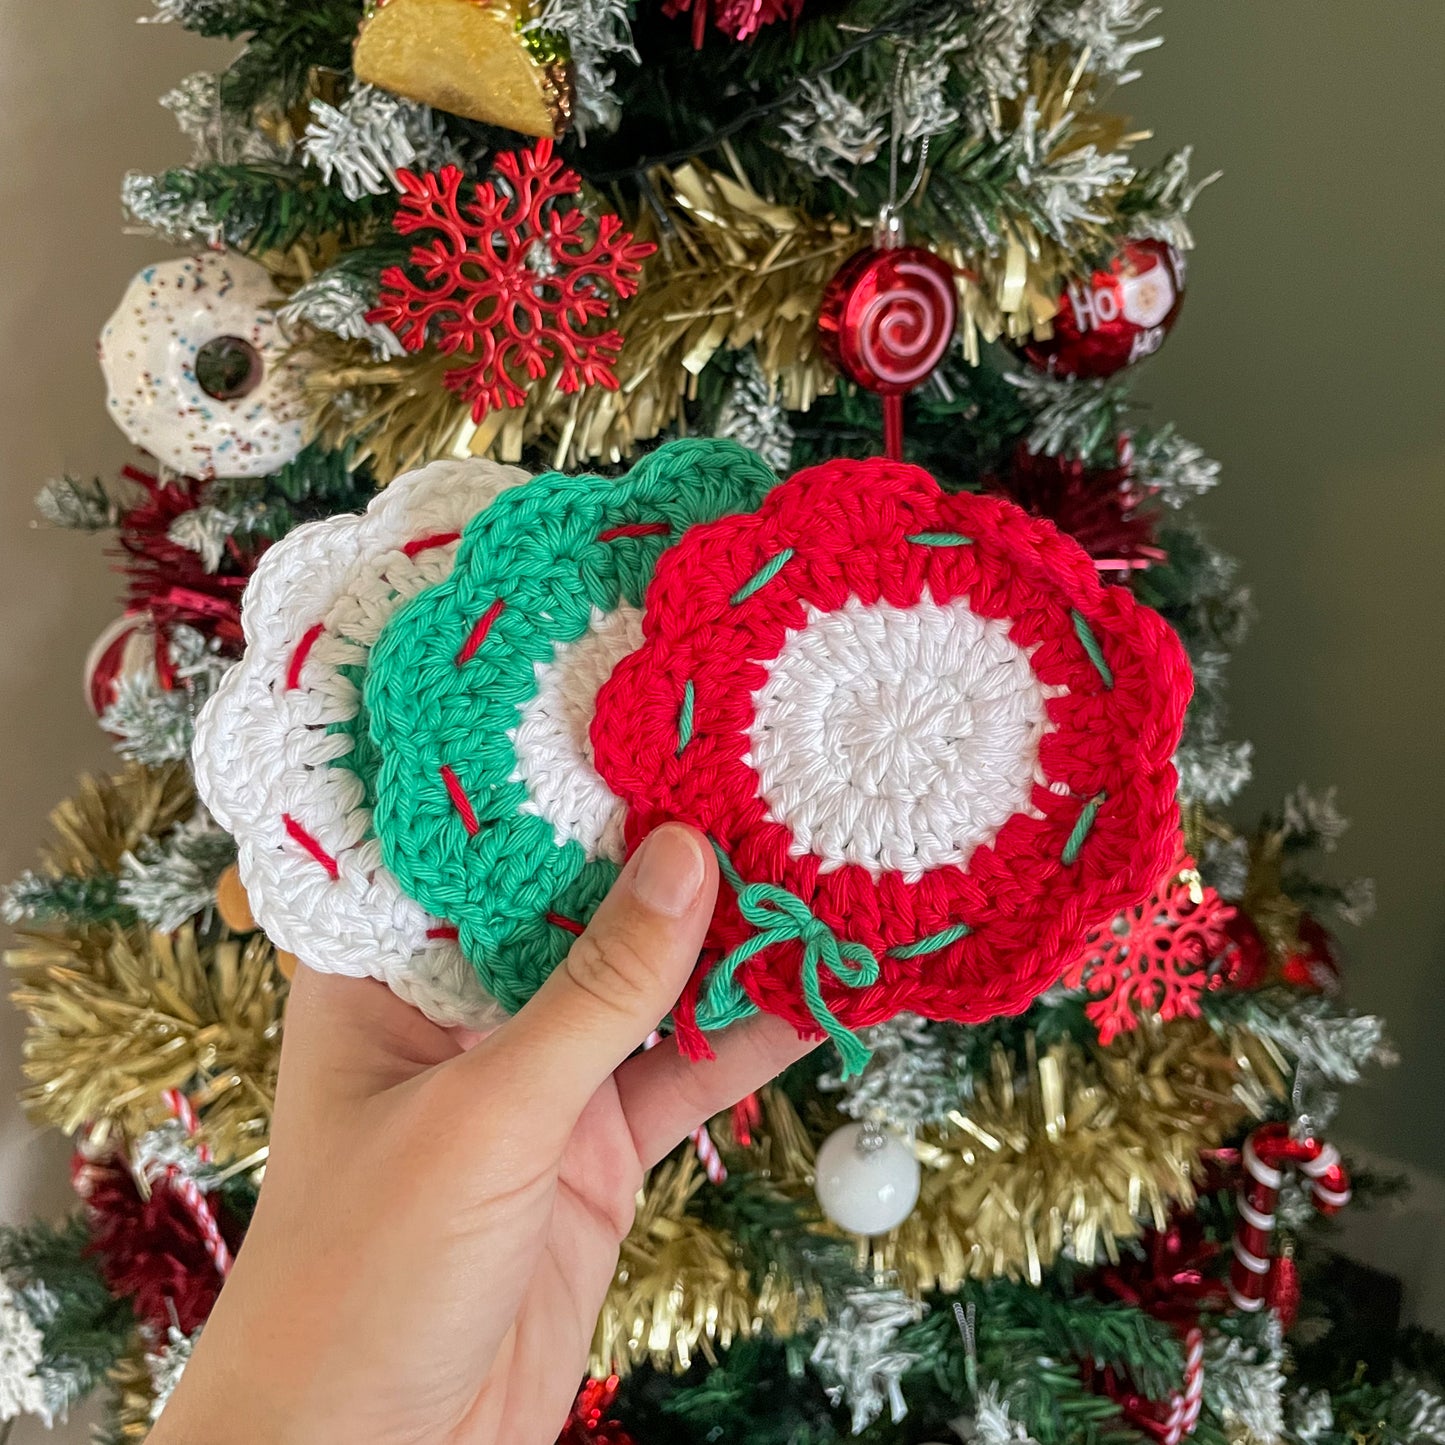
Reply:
x=670 y=870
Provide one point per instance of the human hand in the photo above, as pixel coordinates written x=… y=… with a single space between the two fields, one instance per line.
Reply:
x=441 y=1214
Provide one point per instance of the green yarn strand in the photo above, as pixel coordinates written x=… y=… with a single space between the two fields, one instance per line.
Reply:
x=933 y=943
x=1091 y=646
x=781 y=917
x=762 y=577
x=685 y=716
x=1075 y=844
x=940 y=539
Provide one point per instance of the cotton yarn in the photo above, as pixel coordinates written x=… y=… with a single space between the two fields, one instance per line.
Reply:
x=480 y=694
x=282 y=758
x=931 y=749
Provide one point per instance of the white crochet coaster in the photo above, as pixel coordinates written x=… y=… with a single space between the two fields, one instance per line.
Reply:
x=273 y=745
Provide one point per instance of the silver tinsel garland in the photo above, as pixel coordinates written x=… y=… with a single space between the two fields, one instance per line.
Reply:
x=21 y=1390
x=597 y=32
x=1072 y=418
x=1064 y=187
x=1311 y=1415
x=153 y=725
x=76 y=505
x=829 y=134
x=218 y=136
x=1214 y=772
x=1175 y=470
x=171 y=880
x=998 y=46
x=364 y=141
x=204 y=530
x=1244 y=1382
x=167 y=1365
x=991 y=1423
x=337 y=301
x=754 y=416
x=1336 y=1047
x=1109 y=30
x=194 y=14
x=182 y=223
x=912 y=1078
x=1166 y=195
x=1314 y=820
x=856 y=1358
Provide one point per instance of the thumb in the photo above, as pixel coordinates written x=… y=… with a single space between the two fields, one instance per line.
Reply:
x=617 y=982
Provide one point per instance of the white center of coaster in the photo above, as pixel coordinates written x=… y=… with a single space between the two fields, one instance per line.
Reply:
x=898 y=738
x=552 y=741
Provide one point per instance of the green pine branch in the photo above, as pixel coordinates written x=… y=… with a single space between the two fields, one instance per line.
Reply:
x=270 y=207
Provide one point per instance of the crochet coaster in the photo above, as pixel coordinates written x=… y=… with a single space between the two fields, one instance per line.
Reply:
x=281 y=758
x=480 y=695
x=931 y=749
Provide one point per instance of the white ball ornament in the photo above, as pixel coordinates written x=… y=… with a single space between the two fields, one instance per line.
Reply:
x=866 y=1179
x=197 y=371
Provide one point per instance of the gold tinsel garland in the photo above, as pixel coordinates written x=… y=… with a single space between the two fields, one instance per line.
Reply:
x=117 y=1015
x=1080 y=1146
x=1077 y=1146
x=108 y=817
x=133 y=1395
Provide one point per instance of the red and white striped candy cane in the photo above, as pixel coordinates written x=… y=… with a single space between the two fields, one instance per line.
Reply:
x=702 y=1140
x=1267 y=1151
x=189 y=1192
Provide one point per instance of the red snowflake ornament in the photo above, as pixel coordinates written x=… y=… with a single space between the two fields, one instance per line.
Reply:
x=511 y=277
x=1154 y=957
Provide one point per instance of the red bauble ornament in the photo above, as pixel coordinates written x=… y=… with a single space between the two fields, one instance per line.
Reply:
x=1115 y=317
x=127 y=646
x=1313 y=964
x=1244 y=963
x=886 y=321
x=513 y=274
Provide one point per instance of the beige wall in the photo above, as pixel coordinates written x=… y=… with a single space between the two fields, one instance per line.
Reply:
x=1307 y=360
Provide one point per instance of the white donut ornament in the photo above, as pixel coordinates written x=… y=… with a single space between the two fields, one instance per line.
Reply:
x=196 y=368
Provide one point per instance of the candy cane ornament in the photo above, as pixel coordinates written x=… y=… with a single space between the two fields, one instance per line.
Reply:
x=887 y=320
x=702 y=1141
x=189 y=1192
x=1267 y=1151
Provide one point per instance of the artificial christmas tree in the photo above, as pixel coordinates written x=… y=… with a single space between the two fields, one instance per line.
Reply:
x=761 y=215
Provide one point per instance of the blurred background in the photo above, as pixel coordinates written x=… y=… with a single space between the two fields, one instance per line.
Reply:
x=1307 y=361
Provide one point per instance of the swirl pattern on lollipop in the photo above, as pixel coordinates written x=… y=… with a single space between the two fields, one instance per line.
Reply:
x=888 y=317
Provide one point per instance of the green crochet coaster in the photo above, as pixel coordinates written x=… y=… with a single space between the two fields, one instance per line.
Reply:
x=480 y=692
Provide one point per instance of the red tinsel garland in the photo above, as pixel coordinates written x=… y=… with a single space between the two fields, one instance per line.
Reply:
x=588 y=1423
x=150 y=1247
x=1102 y=509
x=169 y=582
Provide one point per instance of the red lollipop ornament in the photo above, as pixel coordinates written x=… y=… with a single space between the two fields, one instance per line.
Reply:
x=887 y=320
x=1116 y=316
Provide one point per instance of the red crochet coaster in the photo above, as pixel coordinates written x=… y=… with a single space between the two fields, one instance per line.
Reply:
x=931 y=749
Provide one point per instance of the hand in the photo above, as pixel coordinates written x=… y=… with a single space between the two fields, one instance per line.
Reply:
x=441 y=1214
